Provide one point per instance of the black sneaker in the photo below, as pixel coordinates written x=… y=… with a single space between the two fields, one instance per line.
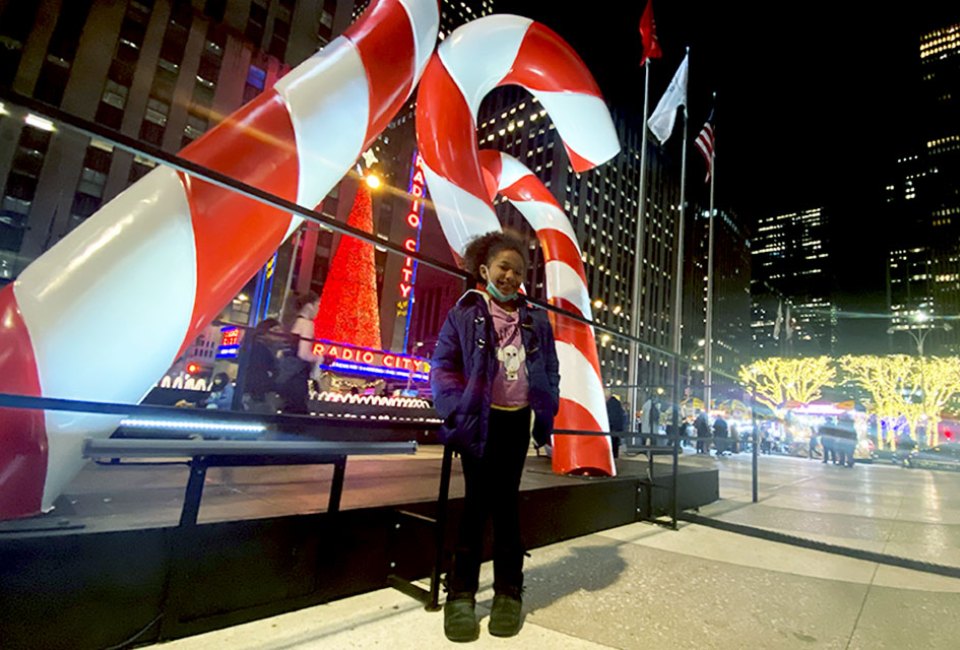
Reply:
x=505 y=615
x=460 y=620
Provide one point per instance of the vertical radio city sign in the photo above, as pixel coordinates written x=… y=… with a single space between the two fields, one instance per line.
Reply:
x=414 y=220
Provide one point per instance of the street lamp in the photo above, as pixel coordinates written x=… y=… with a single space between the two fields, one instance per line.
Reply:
x=919 y=334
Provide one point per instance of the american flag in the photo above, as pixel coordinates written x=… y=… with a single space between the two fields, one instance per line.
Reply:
x=705 y=145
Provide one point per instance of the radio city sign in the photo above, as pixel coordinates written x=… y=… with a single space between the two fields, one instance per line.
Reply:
x=376 y=358
x=413 y=221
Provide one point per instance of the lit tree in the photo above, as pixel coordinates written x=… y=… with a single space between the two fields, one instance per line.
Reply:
x=916 y=388
x=779 y=380
x=940 y=379
x=886 y=379
x=348 y=306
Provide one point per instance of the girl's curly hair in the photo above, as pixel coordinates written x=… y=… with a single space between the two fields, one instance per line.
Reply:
x=483 y=248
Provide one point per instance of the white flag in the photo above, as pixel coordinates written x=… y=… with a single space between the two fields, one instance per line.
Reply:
x=777 y=323
x=665 y=114
x=788 y=324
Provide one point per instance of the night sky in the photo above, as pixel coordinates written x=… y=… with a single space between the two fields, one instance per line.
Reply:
x=813 y=106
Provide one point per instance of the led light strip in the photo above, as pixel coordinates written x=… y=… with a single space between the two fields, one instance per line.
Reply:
x=372 y=370
x=194 y=425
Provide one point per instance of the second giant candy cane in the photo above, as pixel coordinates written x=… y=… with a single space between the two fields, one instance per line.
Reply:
x=582 y=404
x=104 y=313
x=484 y=54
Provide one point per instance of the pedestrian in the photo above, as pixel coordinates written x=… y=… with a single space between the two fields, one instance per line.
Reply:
x=721 y=432
x=828 y=440
x=294 y=367
x=260 y=380
x=650 y=423
x=702 y=426
x=846 y=439
x=495 y=364
x=221 y=393
x=616 y=418
x=674 y=423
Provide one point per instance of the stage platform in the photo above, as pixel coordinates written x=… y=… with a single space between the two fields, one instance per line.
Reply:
x=111 y=562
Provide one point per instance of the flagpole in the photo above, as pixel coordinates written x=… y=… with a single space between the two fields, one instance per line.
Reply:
x=633 y=373
x=708 y=350
x=678 y=275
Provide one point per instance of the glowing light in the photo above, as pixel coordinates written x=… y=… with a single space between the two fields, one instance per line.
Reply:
x=374 y=371
x=192 y=425
x=372 y=181
x=229 y=347
x=597 y=304
x=38 y=122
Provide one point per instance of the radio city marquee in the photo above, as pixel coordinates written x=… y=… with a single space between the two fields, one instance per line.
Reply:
x=375 y=358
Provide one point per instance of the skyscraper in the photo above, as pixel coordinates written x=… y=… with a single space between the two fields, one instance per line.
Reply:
x=923 y=201
x=161 y=71
x=790 y=257
x=732 y=342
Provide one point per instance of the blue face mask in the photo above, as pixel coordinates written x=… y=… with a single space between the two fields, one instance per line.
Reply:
x=498 y=295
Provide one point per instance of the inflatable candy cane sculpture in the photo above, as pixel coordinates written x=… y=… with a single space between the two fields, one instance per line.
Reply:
x=582 y=404
x=106 y=311
x=484 y=54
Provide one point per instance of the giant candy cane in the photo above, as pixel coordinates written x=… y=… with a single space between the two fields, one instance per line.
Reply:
x=484 y=54
x=106 y=311
x=582 y=404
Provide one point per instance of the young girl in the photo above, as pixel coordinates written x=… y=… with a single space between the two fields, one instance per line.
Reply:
x=495 y=380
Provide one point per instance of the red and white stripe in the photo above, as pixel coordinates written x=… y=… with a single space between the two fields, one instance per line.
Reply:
x=476 y=58
x=106 y=311
x=484 y=54
x=582 y=404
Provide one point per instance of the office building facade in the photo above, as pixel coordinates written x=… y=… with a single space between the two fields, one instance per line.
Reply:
x=790 y=258
x=923 y=201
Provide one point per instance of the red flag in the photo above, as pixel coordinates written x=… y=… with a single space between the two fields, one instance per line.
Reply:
x=648 y=35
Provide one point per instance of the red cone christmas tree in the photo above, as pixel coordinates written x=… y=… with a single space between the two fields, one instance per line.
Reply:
x=348 y=305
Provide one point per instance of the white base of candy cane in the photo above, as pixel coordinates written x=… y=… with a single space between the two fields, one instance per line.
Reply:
x=99 y=343
x=65 y=435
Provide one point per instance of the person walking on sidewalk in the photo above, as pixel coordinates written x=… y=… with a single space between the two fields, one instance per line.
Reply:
x=494 y=369
x=702 y=425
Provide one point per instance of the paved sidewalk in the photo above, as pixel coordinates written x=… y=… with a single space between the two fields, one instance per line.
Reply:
x=641 y=586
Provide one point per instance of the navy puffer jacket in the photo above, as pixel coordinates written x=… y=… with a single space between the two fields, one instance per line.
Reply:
x=465 y=364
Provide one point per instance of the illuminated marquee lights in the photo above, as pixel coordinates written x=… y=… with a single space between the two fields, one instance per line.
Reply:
x=373 y=358
x=362 y=369
x=229 y=346
x=414 y=220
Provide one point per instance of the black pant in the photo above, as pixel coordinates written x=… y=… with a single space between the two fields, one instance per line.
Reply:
x=493 y=489
x=295 y=391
